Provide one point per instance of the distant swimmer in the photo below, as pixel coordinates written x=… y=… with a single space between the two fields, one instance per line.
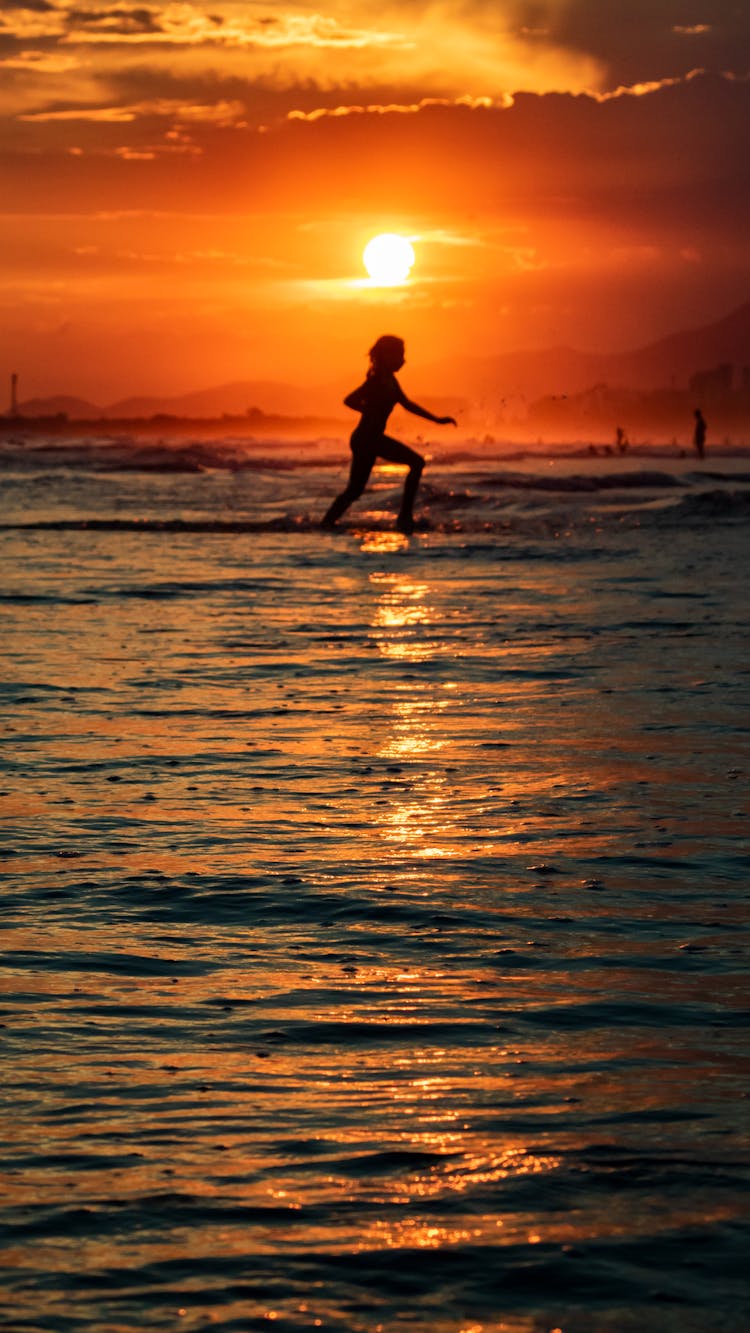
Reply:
x=375 y=399
x=699 y=433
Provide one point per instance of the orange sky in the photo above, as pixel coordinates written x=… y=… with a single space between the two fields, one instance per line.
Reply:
x=187 y=190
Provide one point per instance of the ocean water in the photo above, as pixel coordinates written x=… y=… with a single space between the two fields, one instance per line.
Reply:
x=374 y=908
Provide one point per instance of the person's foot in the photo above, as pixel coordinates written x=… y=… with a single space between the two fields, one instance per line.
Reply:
x=405 y=525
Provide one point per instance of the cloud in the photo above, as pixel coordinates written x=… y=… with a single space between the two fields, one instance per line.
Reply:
x=444 y=48
x=525 y=258
x=211 y=256
x=395 y=108
x=439 y=236
x=187 y=25
x=33 y=6
x=24 y=23
x=640 y=42
x=114 y=114
x=644 y=89
x=474 y=103
x=121 y=22
x=40 y=62
x=216 y=113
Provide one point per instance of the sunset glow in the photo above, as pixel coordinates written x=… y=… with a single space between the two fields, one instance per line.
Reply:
x=187 y=193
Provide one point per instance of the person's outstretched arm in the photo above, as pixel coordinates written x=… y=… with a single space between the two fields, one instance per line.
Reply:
x=423 y=411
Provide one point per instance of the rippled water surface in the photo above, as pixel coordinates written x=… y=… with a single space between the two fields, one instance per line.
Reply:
x=374 y=908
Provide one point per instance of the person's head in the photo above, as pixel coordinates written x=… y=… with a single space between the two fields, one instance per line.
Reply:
x=387 y=354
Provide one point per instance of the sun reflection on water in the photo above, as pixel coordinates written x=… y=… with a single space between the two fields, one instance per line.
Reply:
x=383 y=543
x=401 y=606
x=416 y=815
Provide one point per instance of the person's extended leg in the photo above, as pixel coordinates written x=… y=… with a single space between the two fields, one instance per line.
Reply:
x=358 y=475
x=393 y=451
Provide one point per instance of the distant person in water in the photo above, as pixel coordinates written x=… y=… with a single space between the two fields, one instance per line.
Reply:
x=699 y=433
x=376 y=399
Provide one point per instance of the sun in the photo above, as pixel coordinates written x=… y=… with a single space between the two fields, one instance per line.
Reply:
x=388 y=259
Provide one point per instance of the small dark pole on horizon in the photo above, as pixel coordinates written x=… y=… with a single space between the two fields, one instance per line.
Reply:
x=699 y=433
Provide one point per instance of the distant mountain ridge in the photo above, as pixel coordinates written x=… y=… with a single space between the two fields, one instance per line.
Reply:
x=479 y=381
x=236 y=399
x=666 y=363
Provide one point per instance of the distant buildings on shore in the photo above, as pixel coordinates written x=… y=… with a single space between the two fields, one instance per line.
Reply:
x=723 y=391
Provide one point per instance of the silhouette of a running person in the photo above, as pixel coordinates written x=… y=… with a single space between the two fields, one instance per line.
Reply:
x=376 y=399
